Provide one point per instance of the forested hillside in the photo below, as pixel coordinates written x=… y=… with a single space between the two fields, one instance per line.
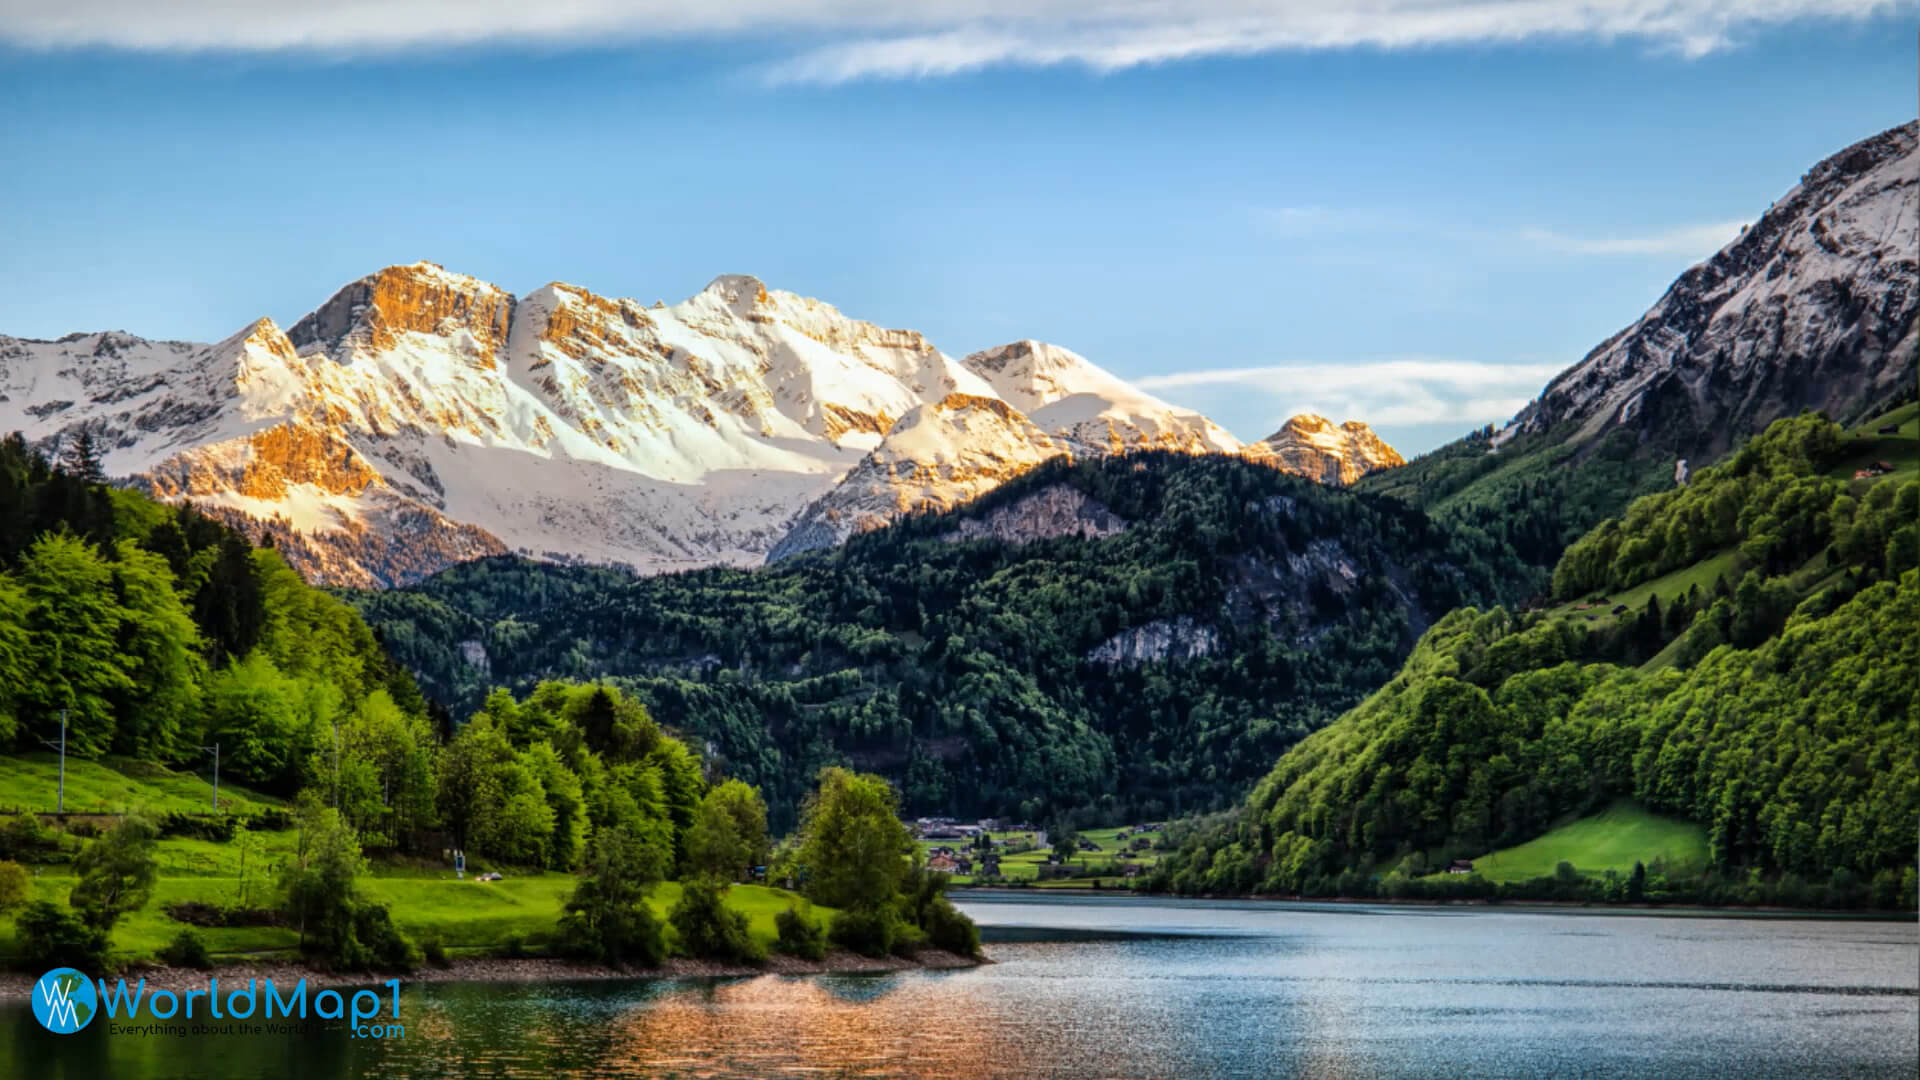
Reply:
x=1535 y=495
x=159 y=631
x=1135 y=636
x=160 y=634
x=1738 y=652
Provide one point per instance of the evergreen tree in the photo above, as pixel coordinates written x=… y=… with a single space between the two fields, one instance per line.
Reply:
x=229 y=607
x=80 y=458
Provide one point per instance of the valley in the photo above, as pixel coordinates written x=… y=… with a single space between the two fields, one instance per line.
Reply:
x=672 y=617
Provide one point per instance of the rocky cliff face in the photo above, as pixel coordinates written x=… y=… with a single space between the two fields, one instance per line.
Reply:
x=1048 y=514
x=1183 y=638
x=420 y=417
x=1813 y=306
x=1314 y=447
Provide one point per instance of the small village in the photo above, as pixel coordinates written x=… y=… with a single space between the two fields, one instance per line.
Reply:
x=1003 y=852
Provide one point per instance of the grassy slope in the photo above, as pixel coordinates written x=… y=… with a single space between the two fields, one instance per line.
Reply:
x=462 y=913
x=114 y=786
x=1611 y=840
x=1866 y=447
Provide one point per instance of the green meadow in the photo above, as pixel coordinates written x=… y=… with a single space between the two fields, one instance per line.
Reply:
x=427 y=902
x=1613 y=839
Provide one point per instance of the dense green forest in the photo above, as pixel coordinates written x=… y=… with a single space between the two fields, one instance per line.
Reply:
x=158 y=633
x=1534 y=496
x=969 y=672
x=1738 y=652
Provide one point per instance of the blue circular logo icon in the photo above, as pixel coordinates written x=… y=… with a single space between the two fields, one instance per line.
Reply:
x=63 y=1001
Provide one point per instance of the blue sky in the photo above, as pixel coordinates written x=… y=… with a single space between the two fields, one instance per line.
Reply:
x=1252 y=211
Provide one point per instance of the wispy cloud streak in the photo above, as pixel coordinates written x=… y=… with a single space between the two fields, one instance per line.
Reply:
x=845 y=40
x=1403 y=390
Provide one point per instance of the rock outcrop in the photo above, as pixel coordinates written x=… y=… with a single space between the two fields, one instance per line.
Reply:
x=1314 y=447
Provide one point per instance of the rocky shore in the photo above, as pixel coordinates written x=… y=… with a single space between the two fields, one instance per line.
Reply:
x=17 y=986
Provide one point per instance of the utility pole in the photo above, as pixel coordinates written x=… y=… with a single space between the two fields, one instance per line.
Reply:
x=216 y=775
x=60 y=804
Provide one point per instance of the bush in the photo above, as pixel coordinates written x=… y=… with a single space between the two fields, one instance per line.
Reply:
x=196 y=913
x=513 y=947
x=435 y=951
x=948 y=928
x=186 y=950
x=387 y=948
x=27 y=839
x=218 y=828
x=16 y=887
x=708 y=928
x=869 y=933
x=908 y=939
x=800 y=933
x=271 y=819
x=613 y=934
x=51 y=936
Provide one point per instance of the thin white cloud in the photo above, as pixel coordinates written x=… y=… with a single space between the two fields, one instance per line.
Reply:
x=1696 y=241
x=860 y=39
x=1406 y=390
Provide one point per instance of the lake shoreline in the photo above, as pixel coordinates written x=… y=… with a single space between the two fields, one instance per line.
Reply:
x=17 y=986
x=1520 y=906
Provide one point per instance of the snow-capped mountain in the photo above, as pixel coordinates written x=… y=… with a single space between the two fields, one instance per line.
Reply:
x=421 y=417
x=1314 y=447
x=1044 y=402
x=1813 y=306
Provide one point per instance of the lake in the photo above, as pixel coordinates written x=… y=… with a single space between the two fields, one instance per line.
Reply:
x=1129 y=987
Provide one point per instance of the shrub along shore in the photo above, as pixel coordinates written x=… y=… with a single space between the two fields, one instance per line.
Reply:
x=18 y=986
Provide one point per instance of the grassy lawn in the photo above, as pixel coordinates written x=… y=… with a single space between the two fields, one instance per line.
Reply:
x=1612 y=839
x=1668 y=587
x=115 y=786
x=462 y=913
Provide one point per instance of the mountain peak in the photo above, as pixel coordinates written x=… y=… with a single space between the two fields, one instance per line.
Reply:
x=734 y=288
x=422 y=297
x=1311 y=445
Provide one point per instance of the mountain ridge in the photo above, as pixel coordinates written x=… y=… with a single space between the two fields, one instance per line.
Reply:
x=419 y=417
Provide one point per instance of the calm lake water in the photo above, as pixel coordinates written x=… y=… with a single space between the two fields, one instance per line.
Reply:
x=1119 y=987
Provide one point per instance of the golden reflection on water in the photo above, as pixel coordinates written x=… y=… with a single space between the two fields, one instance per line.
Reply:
x=848 y=1027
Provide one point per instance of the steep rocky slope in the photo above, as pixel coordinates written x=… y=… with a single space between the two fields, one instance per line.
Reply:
x=1813 y=306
